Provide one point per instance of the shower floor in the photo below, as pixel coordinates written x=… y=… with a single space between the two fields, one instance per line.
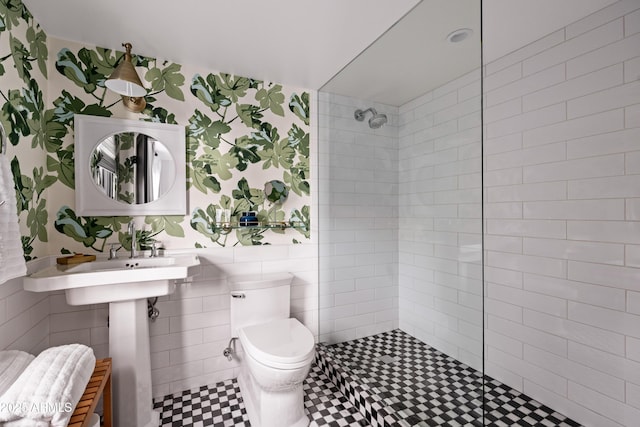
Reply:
x=393 y=379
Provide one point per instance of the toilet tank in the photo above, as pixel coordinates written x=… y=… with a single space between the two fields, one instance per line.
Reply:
x=259 y=298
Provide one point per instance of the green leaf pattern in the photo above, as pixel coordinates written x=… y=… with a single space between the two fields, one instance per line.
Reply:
x=168 y=79
x=238 y=130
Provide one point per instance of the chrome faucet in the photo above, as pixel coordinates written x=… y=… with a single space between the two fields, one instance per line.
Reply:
x=134 y=240
x=154 y=249
x=113 y=251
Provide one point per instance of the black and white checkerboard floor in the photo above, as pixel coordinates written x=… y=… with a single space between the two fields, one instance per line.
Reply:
x=221 y=405
x=391 y=378
x=397 y=380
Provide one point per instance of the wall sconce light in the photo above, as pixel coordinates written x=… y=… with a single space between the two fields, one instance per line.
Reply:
x=125 y=81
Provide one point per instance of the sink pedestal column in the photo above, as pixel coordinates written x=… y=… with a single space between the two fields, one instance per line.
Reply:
x=129 y=350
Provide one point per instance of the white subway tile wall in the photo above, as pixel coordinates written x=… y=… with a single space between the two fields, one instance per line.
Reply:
x=562 y=184
x=189 y=336
x=24 y=316
x=358 y=202
x=440 y=195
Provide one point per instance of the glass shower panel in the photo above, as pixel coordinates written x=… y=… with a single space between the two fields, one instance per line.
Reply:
x=400 y=232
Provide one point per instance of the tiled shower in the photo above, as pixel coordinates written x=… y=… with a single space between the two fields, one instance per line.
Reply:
x=515 y=253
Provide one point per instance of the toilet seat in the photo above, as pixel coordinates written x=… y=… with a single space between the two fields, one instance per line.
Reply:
x=280 y=344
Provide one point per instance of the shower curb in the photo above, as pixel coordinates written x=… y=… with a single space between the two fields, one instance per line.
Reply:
x=366 y=403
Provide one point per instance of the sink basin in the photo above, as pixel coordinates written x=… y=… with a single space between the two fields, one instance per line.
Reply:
x=125 y=284
x=114 y=280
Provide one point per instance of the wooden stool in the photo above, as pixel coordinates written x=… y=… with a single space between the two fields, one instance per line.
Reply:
x=99 y=385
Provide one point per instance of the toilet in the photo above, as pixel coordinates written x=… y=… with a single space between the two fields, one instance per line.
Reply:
x=278 y=350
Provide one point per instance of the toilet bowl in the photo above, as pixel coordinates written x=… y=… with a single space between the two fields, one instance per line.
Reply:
x=278 y=351
x=278 y=356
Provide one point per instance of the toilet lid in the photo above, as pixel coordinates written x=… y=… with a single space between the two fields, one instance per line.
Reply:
x=279 y=342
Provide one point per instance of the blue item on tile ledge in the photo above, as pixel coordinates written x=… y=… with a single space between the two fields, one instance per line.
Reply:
x=248 y=219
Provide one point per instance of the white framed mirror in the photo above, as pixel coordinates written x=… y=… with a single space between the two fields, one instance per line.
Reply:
x=129 y=167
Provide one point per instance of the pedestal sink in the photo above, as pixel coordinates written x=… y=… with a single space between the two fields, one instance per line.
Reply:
x=125 y=284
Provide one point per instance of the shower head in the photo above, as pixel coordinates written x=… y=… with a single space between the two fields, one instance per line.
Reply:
x=375 y=122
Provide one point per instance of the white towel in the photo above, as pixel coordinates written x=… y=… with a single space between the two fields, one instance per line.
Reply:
x=12 y=364
x=26 y=422
x=49 y=389
x=12 y=262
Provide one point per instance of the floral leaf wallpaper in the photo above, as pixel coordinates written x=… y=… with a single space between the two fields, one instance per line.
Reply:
x=241 y=133
x=23 y=74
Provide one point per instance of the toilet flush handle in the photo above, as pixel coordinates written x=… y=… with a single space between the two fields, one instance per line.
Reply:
x=239 y=295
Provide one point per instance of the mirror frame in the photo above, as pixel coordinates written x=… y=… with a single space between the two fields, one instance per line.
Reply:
x=90 y=131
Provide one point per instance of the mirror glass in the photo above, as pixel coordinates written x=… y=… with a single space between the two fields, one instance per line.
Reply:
x=129 y=167
x=132 y=168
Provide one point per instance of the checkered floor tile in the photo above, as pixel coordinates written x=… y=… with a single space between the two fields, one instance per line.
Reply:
x=221 y=405
x=390 y=379
x=397 y=380
x=506 y=407
x=326 y=405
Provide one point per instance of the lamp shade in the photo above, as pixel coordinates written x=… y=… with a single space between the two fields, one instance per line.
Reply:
x=124 y=79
